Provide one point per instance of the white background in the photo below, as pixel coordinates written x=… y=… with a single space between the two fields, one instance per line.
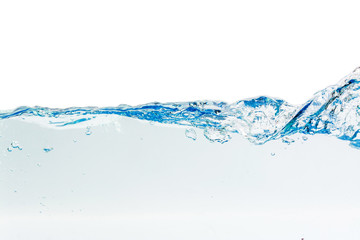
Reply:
x=104 y=53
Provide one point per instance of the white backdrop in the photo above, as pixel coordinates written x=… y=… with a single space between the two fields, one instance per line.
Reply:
x=80 y=53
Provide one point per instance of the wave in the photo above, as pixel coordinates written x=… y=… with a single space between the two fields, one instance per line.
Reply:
x=333 y=111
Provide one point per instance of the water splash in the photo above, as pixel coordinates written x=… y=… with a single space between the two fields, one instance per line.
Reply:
x=333 y=111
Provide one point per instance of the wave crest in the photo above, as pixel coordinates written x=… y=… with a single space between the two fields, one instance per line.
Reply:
x=333 y=111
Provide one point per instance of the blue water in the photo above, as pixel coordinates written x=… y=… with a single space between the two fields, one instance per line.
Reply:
x=255 y=169
x=333 y=111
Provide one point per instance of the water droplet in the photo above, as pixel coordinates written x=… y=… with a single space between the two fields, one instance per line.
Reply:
x=48 y=149
x=75 y=140
x=272 y=154
x=39 y=165
x=357 y=70
x=305 y=138
x=15 y=191
x=88 y=131
x=9 y=149
x=190 y=133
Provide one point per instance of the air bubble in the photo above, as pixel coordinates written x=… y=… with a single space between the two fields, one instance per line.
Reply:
x=217 y=135
x=190 y=133
x=88 y=131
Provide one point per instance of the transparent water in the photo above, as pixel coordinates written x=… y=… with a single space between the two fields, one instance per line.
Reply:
x=256 y=169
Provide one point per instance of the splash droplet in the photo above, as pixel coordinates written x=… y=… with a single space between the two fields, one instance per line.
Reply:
x=305 y=138
x=357 y=70
x=48 y=149
x=190 y=133
x=15 y=144
x=272 y=154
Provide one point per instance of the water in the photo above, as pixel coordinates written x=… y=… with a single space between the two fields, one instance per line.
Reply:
x=255 y=169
